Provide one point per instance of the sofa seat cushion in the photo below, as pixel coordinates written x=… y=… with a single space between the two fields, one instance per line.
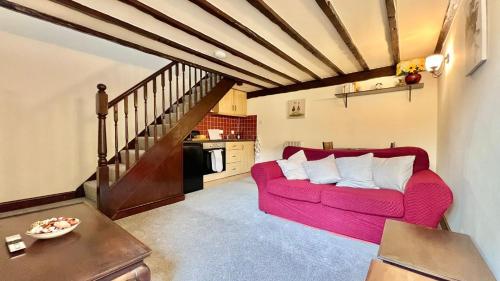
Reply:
x=382 y=202
x=296 y=189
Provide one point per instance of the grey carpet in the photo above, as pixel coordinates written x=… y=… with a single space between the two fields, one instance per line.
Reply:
x=219 y=234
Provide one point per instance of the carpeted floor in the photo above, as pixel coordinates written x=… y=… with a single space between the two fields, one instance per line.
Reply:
x=219 y=234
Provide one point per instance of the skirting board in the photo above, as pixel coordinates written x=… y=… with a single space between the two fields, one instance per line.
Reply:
x=147 y=206
x=40 y=200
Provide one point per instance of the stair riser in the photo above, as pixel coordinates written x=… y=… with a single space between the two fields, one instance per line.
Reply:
x=131 y=155
x=142 y=143
x=112 y=172
x=174 y=115
x=90 y=189
x=159 y=129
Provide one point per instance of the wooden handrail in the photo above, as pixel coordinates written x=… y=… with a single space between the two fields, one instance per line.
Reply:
x=140 y=84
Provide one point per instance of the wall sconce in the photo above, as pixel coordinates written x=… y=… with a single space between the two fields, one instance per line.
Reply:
x=434 y=63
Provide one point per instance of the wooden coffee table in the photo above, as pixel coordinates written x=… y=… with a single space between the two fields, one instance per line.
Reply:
x=443 y=254
x=380 y=271
x=98 y=249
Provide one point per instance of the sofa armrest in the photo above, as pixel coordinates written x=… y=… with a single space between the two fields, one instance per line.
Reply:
x=426 y=198
x=264 y=172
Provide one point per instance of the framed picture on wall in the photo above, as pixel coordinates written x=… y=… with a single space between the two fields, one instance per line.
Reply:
x=296 y=109
x=475 y=35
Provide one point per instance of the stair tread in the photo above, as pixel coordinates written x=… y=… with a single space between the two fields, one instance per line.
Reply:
x=132 y=151
x=92 y=184
x=120 y=166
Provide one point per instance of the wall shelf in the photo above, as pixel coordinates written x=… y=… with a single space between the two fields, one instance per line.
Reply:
x=408 y=88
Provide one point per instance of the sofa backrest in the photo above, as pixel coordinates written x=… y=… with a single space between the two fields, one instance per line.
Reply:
x=421 y=157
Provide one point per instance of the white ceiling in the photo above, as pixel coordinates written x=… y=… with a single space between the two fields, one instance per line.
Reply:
x=419 y=24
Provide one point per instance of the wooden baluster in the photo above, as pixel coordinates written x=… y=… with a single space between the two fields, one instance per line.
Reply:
x=170 y=96
x=176 y=92
x=200 y=82
x=102 y=147
x=183 y=89
x=202 y=88
x=211 y=81
x=155 y=132
x=117 y=160
x=136 y=117
x=195 y=90
x=125 y=110
x=163 y=127
x=190 y=88
x=146 y=135
x=206 y=83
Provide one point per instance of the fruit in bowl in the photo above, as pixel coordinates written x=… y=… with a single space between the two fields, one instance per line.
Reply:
x=52 y=228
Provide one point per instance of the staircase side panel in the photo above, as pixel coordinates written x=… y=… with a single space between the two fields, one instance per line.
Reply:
x=156 y=179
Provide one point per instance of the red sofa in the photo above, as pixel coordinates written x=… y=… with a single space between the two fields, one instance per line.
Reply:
x=355 y=212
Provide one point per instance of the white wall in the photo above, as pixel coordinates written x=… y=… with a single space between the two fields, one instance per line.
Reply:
x=469 y=137
x=369 y=121
x=48 y=78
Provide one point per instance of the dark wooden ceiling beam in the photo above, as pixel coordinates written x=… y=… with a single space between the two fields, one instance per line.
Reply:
x=130 y=27
x=331 y=14
x=288 y=29
x=216 y=12
x=326 y=82
x=390 y=6
x=191 y=31
x=445 y=28
x=80 y=28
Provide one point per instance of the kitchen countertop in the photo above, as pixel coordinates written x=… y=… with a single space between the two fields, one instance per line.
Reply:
x=224 y=140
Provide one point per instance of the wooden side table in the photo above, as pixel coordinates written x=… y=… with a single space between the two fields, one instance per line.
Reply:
x=98 y=249
x=380 y=271
x=443 y=254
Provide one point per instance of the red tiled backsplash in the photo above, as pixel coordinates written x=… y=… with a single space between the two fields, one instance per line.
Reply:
x=246 y=127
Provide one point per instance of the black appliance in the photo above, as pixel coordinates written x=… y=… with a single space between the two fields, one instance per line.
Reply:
x=193 y=167
x=207 y=158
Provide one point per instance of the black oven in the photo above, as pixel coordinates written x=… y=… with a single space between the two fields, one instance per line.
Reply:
x=207 y=156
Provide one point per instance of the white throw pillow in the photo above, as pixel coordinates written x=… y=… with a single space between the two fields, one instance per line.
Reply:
x=292 y=168
x=356 y=171
x=393 y=172
x=322 y=171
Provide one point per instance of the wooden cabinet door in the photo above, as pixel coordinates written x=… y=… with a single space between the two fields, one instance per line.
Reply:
x=225 y=105
x=240 y=102
x=248 y=156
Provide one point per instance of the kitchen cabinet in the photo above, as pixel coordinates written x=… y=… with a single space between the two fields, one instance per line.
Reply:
x=240 y=157
x=240 y=102
x=248 y=156
x=234 y=103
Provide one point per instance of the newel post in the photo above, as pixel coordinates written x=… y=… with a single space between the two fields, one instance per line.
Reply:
x=101 y=99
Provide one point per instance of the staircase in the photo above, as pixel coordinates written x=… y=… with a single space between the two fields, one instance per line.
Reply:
x=145 y=169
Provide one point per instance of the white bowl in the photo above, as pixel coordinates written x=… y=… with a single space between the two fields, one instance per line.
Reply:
x=53 y=234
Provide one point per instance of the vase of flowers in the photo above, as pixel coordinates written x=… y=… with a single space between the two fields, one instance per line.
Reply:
x=410 y=70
